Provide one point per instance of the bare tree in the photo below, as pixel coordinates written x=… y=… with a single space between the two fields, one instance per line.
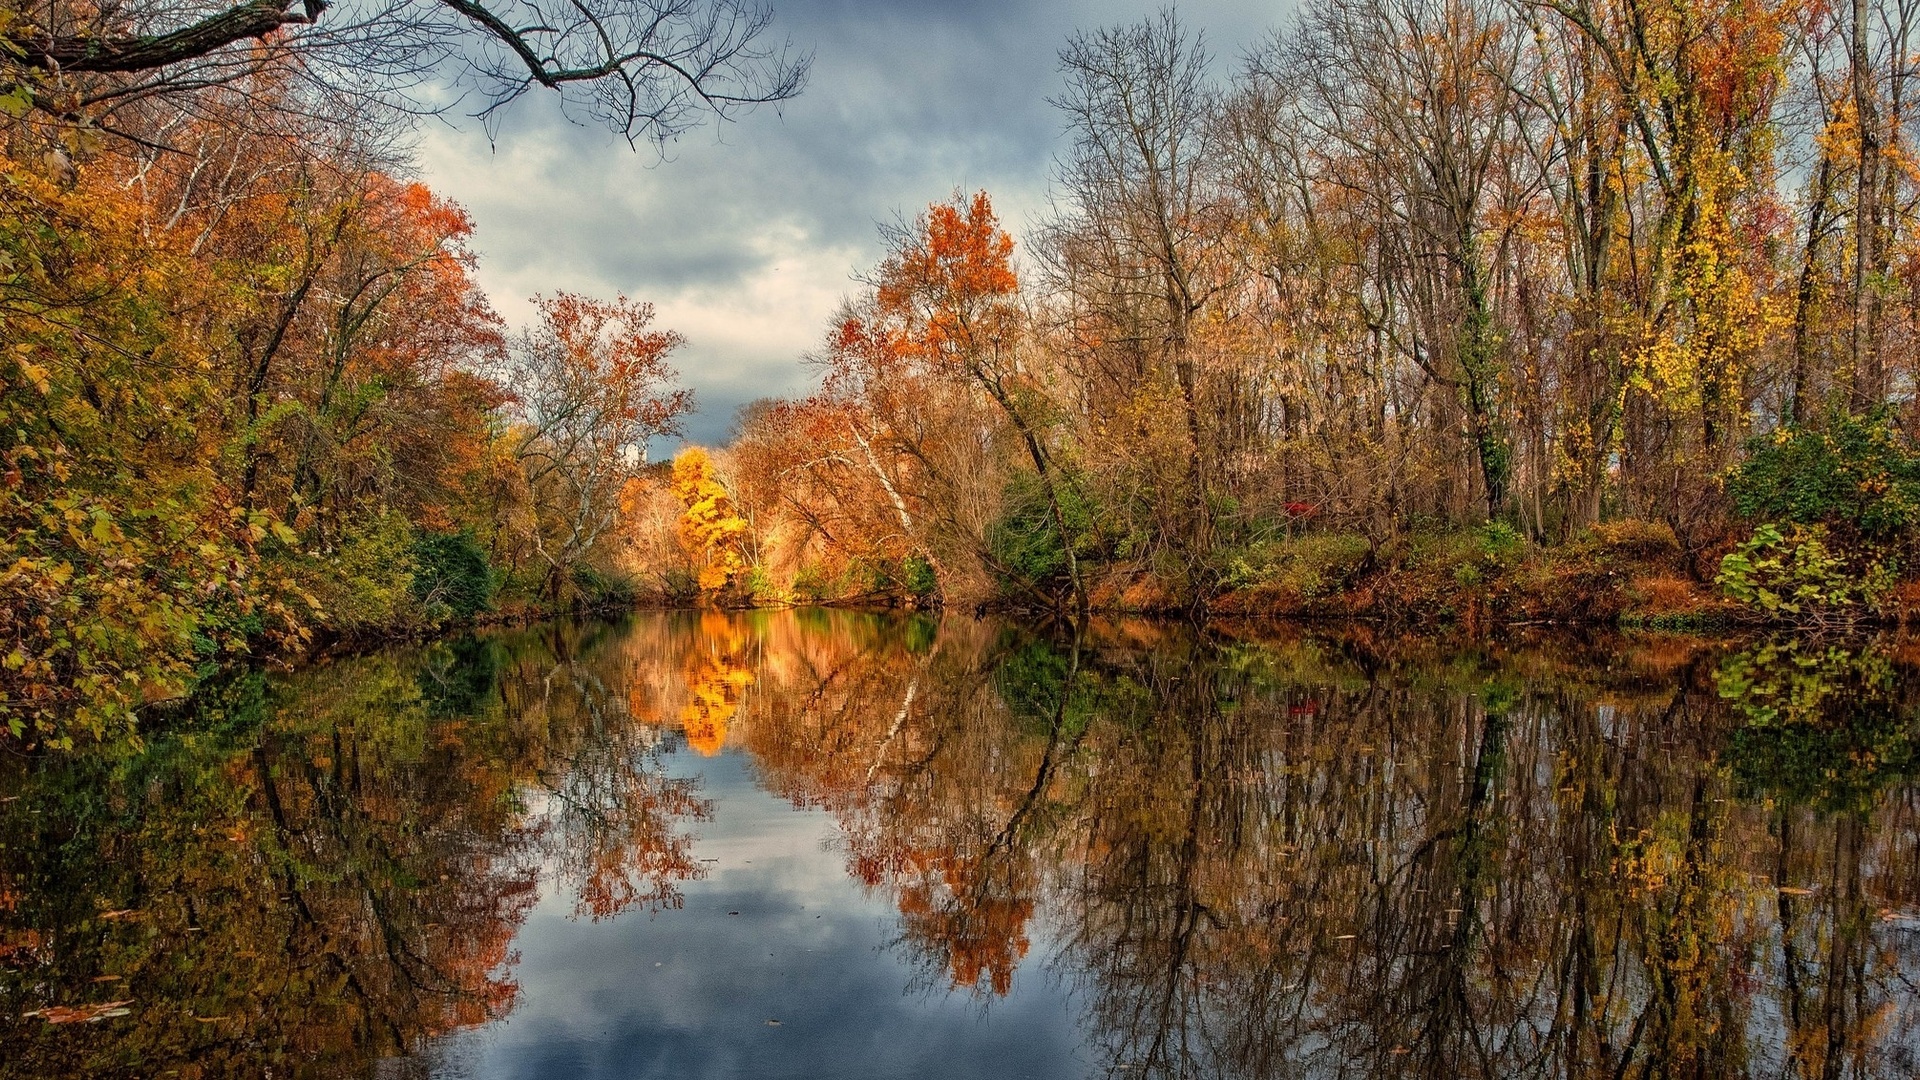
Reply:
x=1133 y=242
x=647 y=69
x=1413 y=97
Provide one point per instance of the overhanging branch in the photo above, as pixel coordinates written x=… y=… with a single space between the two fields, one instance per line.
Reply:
x=146 y=52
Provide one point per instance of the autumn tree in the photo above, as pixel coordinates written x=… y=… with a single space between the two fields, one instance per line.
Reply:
x=1416 y=102
x=591 y=386
x=1416 y=265
x=120 y=548
x=413 y=383
x=828 y=485
x=1134 y=249
x=253 y=393
x=710 y=531
x=946 y=299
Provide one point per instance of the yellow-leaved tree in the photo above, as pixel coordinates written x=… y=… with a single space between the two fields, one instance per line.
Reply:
x=710 y=529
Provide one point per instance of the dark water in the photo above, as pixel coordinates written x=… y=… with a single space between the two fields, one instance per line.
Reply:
x=831 y=845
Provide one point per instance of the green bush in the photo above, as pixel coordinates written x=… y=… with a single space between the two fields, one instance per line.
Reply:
x=1500 y=541
x=919 y=577
x=1797 y=572
x=911 y=576
x=451 y=575
x=758 y=584
x=363 y=580
x=810 y=582
x=1026 y=539
x=1833 y=506
x=1856 y=473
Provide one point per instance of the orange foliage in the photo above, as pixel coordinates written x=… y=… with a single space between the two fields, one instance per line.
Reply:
x=948 y=284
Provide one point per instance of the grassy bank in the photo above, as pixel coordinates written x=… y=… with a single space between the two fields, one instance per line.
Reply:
x=1630 y=574
x=1627 y=574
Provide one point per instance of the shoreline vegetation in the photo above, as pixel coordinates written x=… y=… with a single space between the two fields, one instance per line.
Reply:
x=1591 y=327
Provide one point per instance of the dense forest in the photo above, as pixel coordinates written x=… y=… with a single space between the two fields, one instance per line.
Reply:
x=253 y=399
x=1468 y=309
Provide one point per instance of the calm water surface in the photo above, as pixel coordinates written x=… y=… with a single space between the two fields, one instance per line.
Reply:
x=815 y=844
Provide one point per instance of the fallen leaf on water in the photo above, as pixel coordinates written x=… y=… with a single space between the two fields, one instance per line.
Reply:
x=81 y=1014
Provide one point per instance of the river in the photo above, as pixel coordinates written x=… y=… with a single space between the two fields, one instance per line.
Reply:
x=832 y=844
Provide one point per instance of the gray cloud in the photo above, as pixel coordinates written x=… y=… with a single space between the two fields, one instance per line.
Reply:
x=746 y=236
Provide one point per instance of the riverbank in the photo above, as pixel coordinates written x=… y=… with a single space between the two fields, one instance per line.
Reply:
x=1628 y=574
x=1480 y=581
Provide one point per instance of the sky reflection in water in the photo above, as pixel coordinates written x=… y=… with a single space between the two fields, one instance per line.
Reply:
x=964 y=849
x=691 y=992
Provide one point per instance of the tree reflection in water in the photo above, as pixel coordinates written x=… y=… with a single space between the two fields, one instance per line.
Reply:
x=1324 y=857
x=317 y=872
x=1244 y=855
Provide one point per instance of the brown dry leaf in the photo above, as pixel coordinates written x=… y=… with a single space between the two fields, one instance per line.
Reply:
x=81 y=1014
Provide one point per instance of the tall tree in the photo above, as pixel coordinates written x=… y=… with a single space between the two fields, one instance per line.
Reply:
x=591 y=386
x=945 y=296
x=1133 y=243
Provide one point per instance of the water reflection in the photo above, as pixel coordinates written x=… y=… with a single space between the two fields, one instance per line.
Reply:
x=1227 y=855
x=326 y=870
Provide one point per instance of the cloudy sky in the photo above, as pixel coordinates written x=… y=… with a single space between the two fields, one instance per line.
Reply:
x=746 y=236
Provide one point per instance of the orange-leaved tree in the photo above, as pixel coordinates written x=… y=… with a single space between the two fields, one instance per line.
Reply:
x=710 y=529
x=593 y=385
x=947 y=297
x=125 y=562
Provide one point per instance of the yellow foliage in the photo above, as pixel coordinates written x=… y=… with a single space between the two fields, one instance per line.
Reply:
x=710 y=530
